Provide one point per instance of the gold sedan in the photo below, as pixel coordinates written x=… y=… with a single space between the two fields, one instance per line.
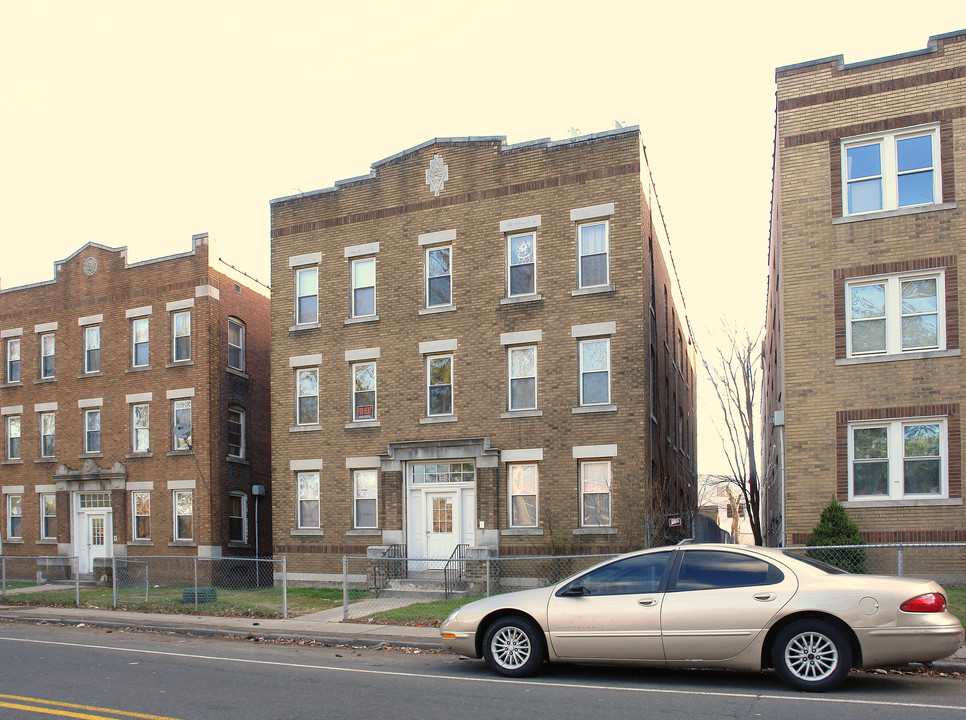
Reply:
x=714 y=606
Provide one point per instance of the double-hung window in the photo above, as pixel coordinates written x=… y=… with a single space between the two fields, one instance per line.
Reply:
x=48 y=516
x=439 y=277
x=236 y=432
x=142 y=515
x=364 y=287
x=522 y=386
x=364 y=391
x=238 y=517
x=595 y=484
x=593 y=256
x=522 y=264
x=13 y=360
x=523 y=494
x=183 y=514
x=141 y=428
x=439 y=385
x=891 y=171
x=306 y=295
x=14 y=516
x=139 y=342
x=47 y=355
x=307 y=488
x=181 y=428
x=182 y=335
x=365 y=495
x=307 y=396
x=898 y=459
x=92 y=431
x=92 y=349
x=896 y=314
x=595 y=371
x=47 y=435
x=236 y=345
x=13 y=437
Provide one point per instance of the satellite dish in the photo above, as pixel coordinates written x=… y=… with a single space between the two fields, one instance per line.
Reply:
x=182 y=431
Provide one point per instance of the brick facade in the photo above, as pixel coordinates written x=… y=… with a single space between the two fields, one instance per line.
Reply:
x=97 y=288
x=492 y=192
x=822 y=252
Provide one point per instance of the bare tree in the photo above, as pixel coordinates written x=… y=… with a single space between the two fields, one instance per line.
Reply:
x=734 y=373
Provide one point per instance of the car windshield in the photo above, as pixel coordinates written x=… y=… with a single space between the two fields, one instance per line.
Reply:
x=818 y=564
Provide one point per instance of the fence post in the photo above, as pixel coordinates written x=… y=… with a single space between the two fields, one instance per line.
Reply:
x=114 y=580
x=196 y=584
x=345 y=588
x=75 y=567
x=899 y=561
x=488 y=571
x=3 y=561
x=284 y=590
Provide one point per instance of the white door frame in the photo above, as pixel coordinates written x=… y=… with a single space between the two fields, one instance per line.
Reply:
x=81 y=535
x=419 y=517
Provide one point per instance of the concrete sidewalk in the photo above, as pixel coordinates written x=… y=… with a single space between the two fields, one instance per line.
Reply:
x=326 y=627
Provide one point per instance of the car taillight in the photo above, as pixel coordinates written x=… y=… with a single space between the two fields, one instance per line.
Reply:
x=930 y=602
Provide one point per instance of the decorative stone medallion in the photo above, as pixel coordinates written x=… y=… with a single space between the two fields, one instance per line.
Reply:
x=90 y=266
x=437 y=174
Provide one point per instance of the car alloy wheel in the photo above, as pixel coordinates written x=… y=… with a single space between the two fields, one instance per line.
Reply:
x=811 y=655
x=513 y=646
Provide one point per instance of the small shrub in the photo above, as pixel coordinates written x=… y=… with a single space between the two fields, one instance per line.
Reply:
x=835 y=528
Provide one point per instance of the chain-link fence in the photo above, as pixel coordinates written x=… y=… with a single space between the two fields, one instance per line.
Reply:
x=943 y=562
x=20 y=575
x=218 y=586
x=424 y=590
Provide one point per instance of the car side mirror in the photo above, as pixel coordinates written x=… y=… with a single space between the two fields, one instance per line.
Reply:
x=574 y=591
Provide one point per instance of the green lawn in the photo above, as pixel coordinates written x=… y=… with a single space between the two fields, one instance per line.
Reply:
x=230 y=602
x=427 y=614
x=957 y=602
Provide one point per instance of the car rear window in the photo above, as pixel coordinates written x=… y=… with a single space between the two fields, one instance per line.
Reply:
x=709 y=569
x=818 y=564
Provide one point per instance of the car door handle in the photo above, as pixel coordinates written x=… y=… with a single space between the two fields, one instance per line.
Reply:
x=765 y=597
x=647 y=602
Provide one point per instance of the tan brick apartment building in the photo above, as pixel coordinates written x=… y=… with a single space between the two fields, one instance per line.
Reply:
x=100 y=365
x=479 y=344
x=863 y=362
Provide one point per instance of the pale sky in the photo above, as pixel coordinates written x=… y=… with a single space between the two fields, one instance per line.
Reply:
x=139 y=124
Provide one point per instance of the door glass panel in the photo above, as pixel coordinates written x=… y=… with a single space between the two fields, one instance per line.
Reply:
x=442 y=515
x=97 y=531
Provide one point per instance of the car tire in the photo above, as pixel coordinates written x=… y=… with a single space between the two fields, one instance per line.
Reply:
x=513 y=646
x=811 y=655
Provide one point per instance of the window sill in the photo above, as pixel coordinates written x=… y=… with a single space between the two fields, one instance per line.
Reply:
x=140 y=543
x=132 y=456
x=434 y=420
x=137 y=369
x=358 y=320
x=437 y=310
x=919 y=502
x=177 y=453
x=305 y=326
x=237 y=460
x=521 y=414
x=584 y=409
x=893 y=357
x=305 y=428
x=595 y=531
x=362 y=424
x=84 y=456
x=894 y=213
x=183 y=543
x=13 y=541
x=11 y=462
x=307 y=532
x=96 y=373
x=12 y=384
x=235 y=371
x=46 y=461
x=594 y=290
x=511 y=532
x=363 y=532
x=514 y=299
x=46 y=541
x=45 y=380
x=180 y=363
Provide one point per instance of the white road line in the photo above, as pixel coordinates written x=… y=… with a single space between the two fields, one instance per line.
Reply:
x=533 y=683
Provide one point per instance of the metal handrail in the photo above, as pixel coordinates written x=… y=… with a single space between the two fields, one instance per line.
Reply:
x=455 y=568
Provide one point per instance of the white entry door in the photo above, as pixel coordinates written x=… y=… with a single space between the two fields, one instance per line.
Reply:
x=442 y=523
x=96 y=539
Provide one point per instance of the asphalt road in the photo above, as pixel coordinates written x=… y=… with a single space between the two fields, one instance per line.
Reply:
x=57 y=671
